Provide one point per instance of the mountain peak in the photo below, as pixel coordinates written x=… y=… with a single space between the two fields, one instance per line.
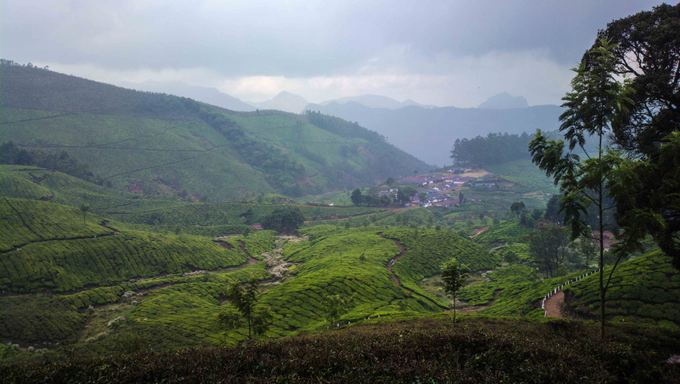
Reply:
x=285 y=101
x=504 y=100
x=374 y=101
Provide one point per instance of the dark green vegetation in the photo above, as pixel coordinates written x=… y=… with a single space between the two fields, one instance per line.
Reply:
x=476 y=350
x=493 y=149
x=284 y=220
x=160 y=145
x=637 y=174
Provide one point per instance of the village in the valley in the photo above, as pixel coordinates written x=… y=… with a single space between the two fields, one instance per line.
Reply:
x=442 y=188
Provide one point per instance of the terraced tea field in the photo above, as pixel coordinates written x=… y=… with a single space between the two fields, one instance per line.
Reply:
x=644 y=289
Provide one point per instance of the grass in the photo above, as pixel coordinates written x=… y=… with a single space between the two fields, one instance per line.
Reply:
x=166 y=215
x=524 y=173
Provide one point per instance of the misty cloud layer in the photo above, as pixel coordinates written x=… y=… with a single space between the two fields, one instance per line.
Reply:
x=435 y=52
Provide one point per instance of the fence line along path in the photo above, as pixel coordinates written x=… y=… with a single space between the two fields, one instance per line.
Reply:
x=553 y=300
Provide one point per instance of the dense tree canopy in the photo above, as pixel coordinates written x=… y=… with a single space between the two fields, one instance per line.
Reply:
x=647 y=51
x=10 y=153
x=495 y=148
x=284 y=220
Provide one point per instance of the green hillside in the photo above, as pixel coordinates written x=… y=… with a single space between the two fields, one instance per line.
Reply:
x=161 y=145
x=644 y=289
x=46 y=246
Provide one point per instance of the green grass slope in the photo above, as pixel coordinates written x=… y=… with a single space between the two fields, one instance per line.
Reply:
x=644 y=289
x=169 y=146
x=47 y=246
x=524 y=173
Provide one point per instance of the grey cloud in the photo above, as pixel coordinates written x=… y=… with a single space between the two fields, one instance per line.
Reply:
x=310 y=39
x=294 y=38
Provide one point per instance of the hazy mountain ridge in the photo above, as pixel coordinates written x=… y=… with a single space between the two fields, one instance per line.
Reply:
x=284 y=101
x=206 y=95
x=429 y=133
x=504 y=100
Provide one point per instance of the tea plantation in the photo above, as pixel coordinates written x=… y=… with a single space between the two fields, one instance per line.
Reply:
x=644 y=289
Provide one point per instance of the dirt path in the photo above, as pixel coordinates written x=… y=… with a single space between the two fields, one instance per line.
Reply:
x=553 y=305
x=393 y=260
x=397 y=281
x=479 y=231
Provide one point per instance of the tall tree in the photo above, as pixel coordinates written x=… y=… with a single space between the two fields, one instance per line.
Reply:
x=454 y=276
x=284 y=220
x=547 y=245
x=84 y=209
x=244 y=296
x=592 y=106
x=647 y=52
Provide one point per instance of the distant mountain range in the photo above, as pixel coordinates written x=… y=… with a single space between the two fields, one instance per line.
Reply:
x=429 y=133
x=284 y=101
x=203 y=94
x=504 y=100
x=425 y=131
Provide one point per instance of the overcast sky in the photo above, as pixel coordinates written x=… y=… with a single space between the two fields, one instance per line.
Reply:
x=435 y=52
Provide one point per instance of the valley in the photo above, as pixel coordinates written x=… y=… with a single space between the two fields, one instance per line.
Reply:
x=365 y=237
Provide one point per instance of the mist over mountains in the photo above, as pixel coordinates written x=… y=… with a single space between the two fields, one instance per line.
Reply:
x=426 y=132
x=429 y=133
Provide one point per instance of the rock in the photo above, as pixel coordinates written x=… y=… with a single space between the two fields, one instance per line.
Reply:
x=128 y=294
x=115 y=322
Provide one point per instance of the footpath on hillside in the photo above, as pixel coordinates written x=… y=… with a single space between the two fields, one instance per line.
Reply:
x=553 y=301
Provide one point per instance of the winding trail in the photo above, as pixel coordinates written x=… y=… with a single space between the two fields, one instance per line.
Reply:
x=553 y=301
x=397 y=281
x=393 y=260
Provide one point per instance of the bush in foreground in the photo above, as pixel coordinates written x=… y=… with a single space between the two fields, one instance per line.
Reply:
x=477 y=350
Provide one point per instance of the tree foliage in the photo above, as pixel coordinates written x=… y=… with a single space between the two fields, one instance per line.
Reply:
x=547 y=245
x=11 y=153
x=244 y=295
x=592 y=107
x=647 y=51
x=284 y=220
x=495 y=148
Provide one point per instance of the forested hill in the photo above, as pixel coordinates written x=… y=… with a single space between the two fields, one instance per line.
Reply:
x=163 y=145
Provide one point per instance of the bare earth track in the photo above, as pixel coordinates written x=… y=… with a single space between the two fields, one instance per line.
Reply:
x=553 y=305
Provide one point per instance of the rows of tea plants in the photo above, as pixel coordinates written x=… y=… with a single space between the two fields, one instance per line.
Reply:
x=65 y=265
x=428 y=249
x=48 y=247
x=350 y=263
x=30 y=182
x=644 y=289
x=511 y=290
x=26 y=221
x=38 y=318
